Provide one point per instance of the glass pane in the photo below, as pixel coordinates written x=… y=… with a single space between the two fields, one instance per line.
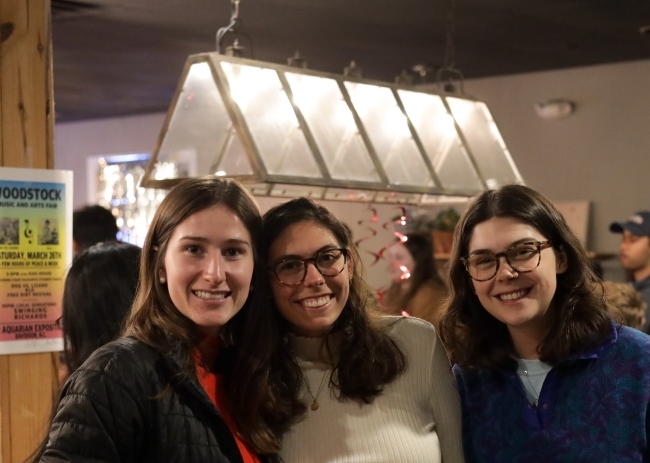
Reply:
x=485 y=142
x=271 y=120
x=333 y=127
x=198 y=128
x=437 y=132
x=234 y=160
x=389 y=134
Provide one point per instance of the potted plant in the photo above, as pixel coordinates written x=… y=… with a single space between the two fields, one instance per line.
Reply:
x=443 y=230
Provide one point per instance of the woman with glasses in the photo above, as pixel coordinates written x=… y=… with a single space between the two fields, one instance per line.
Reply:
x=544 y=372
x=365 y=387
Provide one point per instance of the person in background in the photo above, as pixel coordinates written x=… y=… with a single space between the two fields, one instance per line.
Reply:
x=163 y=392
x=544 y=372
x=635 y=255
x=416 y=288
x=98 y=294
x=92 y=225
x=368 y=388
x=628 y=301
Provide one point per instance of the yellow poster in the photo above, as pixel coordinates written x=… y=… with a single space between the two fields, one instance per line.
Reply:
x=35 y=252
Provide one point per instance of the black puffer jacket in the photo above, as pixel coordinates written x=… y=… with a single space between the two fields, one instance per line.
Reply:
x=111 y=411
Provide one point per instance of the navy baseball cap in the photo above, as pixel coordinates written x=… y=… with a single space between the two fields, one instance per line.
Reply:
x=638 y=224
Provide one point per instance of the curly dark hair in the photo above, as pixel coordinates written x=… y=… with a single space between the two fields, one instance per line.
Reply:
x=580 y=317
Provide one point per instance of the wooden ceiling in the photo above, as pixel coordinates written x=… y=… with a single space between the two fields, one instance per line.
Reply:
x=123 y=57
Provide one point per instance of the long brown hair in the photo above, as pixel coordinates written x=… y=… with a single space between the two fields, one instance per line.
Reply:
x=155 y=320
x=369 y=358
x=580 y=317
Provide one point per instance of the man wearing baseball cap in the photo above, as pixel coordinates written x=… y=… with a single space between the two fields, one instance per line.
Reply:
x=635 y=255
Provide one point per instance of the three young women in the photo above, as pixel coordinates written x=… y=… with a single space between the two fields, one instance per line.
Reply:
x=544 y=372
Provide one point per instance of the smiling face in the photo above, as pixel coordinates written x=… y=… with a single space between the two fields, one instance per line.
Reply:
x=208 y=266
x=312 y=306
x=519 y=300
x=400 y=263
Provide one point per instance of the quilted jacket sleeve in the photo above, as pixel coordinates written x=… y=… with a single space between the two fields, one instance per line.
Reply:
x=101 y=416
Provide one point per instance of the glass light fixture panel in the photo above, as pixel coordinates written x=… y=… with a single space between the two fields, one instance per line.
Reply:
x=389 y=134
x=332 y=125
x=271 y=120
x=484 y=141
x=437 y=132
x=185 y=150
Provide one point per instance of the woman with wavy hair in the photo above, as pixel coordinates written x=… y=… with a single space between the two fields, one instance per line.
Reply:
x=170 y=389
x=544 y=372
x=368 y=388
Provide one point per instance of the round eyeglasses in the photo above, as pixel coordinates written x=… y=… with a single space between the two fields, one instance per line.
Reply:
x=521 y=257
x=293 y=270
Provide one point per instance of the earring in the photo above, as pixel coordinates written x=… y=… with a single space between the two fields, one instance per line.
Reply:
x=163 y=280
x=250 y=290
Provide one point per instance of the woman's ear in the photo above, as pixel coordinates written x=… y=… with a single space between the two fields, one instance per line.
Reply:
x=562 y=261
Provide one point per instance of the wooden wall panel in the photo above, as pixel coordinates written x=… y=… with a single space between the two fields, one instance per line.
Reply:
x=27 y=382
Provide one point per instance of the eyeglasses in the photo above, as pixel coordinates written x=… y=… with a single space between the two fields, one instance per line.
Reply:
x=292 y=271
x=522 y=258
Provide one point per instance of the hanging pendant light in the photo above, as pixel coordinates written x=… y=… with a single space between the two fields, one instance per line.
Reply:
x=290 y=131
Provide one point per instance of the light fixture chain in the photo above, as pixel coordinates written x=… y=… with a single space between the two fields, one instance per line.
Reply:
x=234 y=19
x=450 y=51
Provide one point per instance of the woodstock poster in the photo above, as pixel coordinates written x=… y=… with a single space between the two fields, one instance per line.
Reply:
x=35 y=252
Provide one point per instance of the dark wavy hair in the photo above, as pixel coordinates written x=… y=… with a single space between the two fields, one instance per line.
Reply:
x=98 y=294
x=580 y=318
x=369 y=358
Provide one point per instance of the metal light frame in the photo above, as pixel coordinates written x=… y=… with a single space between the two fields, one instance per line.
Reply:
x=325 y=185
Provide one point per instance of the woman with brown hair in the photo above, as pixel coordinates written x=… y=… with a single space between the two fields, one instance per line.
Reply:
x=368 y=388
x=168 y=390
x=416 y=288
x=543 y=371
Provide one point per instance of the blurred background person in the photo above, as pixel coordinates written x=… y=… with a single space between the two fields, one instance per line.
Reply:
x=628 y=301
x=92 y=225
x=635 y=255
x=98 y=294
x=416 y=288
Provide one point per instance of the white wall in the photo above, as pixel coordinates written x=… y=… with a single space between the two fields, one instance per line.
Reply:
x=74 y=142
x=601 y=153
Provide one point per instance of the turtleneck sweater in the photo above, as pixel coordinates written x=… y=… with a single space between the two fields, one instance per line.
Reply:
x=417 y=418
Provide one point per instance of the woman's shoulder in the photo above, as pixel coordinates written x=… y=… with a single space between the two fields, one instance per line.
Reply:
x=410 y=331
x=123 y=360
x=634 y=342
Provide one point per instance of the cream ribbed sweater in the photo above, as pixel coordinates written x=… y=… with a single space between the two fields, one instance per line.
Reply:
x=416 y=419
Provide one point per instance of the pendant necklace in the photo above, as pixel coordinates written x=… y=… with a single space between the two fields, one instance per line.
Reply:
x=535 y=393
x=314 y=404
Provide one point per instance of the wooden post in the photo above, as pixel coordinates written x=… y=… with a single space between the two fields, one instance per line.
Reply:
x=27 y=382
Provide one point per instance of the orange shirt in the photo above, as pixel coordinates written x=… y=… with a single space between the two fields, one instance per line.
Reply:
x=212 y=384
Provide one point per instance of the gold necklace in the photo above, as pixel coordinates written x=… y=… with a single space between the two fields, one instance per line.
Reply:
x=314 y=404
